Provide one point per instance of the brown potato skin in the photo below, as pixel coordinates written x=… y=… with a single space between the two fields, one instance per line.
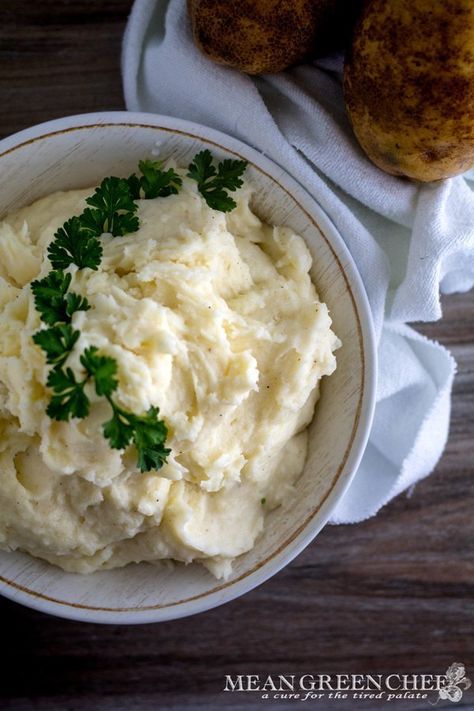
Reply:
x=265 y=36
x=409 y=86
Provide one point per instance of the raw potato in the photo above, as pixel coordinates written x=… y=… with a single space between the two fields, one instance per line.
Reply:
x=264 y=36
x=409 y=86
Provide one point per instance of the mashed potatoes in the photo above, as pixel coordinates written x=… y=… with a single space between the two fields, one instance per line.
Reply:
x=210 y=316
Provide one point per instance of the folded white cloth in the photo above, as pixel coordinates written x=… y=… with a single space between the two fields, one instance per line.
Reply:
x=408 y=241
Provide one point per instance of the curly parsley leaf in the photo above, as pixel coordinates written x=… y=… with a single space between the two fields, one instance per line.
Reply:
x=133 y=182
x=115 y=208
x=69 y=399
x=202 y=168
x=154 y=182
x=118 y=225
x=111 y=196
x=49 y=294
x=119 y=429
x=53 y=302
x=76 y=302
x=124 y=224
x=57 y=342
x=149 y=438
x=102 y=368
x=73 y=245
x=147 y=432
x=230 y=172
x=92 y=224
x=213 y=184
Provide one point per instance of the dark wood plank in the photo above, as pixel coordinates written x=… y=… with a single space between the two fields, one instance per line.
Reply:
x=59 y=58
x=394 y=593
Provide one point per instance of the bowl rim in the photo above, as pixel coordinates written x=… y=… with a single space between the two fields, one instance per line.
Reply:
x=306 y=532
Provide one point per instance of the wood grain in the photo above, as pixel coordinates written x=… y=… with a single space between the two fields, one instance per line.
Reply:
x=392 y=594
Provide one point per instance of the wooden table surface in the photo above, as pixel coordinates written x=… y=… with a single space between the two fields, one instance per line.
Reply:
x=393 y=594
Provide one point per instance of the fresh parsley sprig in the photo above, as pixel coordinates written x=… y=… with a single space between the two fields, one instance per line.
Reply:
x=56 y=307
x=75 y=244
x=53 y=302
x=112 y=209
x=213 y=184
x=147 y=432
x=69 y=398
x=57 y=342
x=154 y=182
x=102 y=368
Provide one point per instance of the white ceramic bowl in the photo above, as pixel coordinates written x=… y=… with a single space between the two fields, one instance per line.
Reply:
x=77 y=152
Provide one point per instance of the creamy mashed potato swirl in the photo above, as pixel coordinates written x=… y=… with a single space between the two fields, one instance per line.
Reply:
x=210 y=316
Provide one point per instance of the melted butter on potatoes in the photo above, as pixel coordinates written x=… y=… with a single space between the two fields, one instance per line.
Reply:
x=210 y=316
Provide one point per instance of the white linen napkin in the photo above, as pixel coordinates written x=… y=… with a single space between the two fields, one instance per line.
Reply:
x=408 y=241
